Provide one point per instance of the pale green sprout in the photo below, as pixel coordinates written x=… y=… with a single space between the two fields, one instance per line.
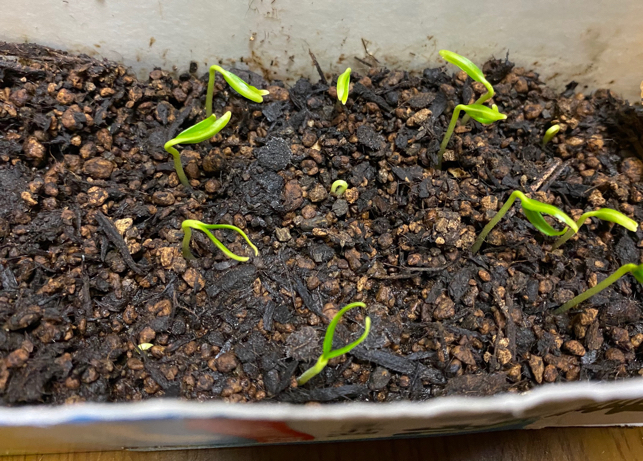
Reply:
x=472 y=71
x=339 y=187
x=145 y=346
x=606 y=214
x=327 y=353
x=190 y=224
x=478 y=112
x=343 y=83
x=241 y=87
x=550 y=133
x=194 y=135
x=534 y=211
x=636 y=271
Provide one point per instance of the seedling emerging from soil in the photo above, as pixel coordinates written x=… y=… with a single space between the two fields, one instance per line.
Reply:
x=637 y=272
x=339 y=187
x=606 y=214
x=241 y=87
x=327 y=353
x=534 y=211
x=343 y=82
x=190 y=224
x=145 y=346
x=194 y=135
x=478 y=112
x=472 y=71
x=550 y=133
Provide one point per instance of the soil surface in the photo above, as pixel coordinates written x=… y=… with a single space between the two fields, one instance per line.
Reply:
x=91 y=208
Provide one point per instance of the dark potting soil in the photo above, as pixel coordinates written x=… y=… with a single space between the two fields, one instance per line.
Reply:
x=91 y=266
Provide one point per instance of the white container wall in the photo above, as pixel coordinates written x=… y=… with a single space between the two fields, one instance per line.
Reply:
x=597 y=43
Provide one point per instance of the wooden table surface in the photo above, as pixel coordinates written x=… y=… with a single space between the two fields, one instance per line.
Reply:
x=528 y=445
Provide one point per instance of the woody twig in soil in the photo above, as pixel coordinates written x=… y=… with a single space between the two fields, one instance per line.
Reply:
x=417 y=269
x=112 y=234
x=322 y=78
x=549 y=173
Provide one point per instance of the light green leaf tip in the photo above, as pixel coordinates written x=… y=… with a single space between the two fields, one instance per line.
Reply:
x=189 y=224
x=338 y=187
x=327 y=349
x=244 y=89
x=637 y=272
x=465 y=64
x=483 y=114
x=608 y=214
x=343 y=83
x=550 y=133
x=330 y=332
x=534 y=209
x=203 y=130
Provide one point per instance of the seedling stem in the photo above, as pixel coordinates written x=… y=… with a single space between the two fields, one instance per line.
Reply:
x=241 y=87
x=480 y=113
x=533 y=210
x=637 y=272
x=550 y=133
x=327 y=352
x=190 y=224
x=606 y=214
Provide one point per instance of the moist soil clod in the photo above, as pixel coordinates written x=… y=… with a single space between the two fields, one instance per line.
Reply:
x=90 y=239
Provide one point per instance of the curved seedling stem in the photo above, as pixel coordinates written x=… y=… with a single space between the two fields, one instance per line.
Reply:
x=478 y=112
x=241 y=87
x=472 y=71
x=193 y=135
x=190 y=224
x=533 y=210
x=178 y=167
x=636 y=271
x=339 y=187
x=327 y=352
x=605 y=214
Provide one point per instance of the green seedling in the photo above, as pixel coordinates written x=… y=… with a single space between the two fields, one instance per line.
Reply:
x=478 y=112
x=472 y=71
x=343 y=82
x=339 y=187
x=534 y=211
x=190 y=224
x=241 y=87
x=145 y=346
x=550 y=133
x=636 y=271
x=606 y=214
x=327 y=353
x=194 y=135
